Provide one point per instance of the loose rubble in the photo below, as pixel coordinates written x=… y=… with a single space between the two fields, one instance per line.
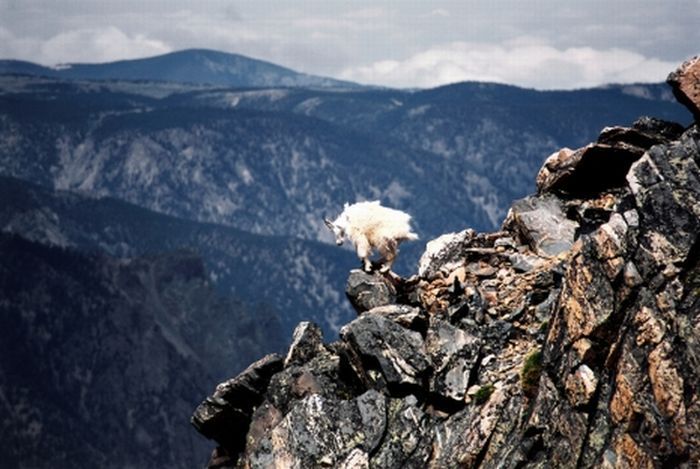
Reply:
x=570 y=338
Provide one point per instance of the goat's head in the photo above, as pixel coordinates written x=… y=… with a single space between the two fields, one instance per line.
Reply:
x=337 y=230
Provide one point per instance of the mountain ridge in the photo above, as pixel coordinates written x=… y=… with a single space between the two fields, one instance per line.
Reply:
x=200 y=66
x=472 y=144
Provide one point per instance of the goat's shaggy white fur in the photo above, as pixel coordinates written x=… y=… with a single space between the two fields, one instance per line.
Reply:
x=371 y=226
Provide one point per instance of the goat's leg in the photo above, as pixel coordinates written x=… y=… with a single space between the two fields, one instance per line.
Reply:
x=364 y=250
x=389 y=250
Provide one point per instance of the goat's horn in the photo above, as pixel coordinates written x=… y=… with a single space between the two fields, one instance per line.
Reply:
x=328 y=223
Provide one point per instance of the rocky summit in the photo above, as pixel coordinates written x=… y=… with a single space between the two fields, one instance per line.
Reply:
x=569 y=338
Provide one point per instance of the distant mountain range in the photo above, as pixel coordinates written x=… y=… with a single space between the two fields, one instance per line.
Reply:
x=274 y=161
x=148 y=203
x=196 y=66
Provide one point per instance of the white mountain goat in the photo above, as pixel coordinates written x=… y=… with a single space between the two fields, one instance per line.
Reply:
x=371 y=226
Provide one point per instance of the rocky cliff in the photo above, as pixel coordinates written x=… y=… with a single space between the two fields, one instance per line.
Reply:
x=569 y=338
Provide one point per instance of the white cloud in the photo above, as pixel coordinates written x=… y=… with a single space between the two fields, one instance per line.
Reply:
x=525 y=62
x=81 y=45
x=100 y=45
x=12 y=47
x=367 y=13
x=440 y=12
x=408 y=44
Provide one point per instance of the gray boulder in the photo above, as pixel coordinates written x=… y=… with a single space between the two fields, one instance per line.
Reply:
x=225 y=416
x=307 y=342
x=309 y=435
x=453 y=353
x=444 y=253
x=392 y=356
x=369 y=290
x=540 y=221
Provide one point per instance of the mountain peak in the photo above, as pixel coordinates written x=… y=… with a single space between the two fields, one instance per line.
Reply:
x=198 y=66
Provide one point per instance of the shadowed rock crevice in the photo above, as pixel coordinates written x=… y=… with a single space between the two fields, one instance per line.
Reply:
x=569 y=338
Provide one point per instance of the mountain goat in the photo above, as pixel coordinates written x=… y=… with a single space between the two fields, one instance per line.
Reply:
x=370 y=226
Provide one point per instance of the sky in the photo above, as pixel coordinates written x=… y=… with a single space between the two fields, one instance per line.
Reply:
x=544 y=44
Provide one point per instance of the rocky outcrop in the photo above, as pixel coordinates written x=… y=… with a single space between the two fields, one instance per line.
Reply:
x=686 y=85
x=578 y=173
x=234 y=402
x=570 y=338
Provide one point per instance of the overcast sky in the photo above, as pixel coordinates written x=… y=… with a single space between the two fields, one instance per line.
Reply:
x=543 y=44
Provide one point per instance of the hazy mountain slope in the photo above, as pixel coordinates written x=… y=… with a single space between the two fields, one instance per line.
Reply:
x=297 y=279
x=23 y=67
x=273 y=161
x=487 y=140
x=102 y=359
x=262 y=171
x=200 y=66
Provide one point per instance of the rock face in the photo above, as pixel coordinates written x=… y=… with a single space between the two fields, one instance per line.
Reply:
x=686 y=85
x=570 y=338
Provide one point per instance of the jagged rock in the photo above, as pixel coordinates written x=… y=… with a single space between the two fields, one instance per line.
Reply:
x=460 y=439
x=558 y=424
x=408 y=439
x=587 y=299
x=641 y=253
x=307 y=342
x=541 y=223
x=471 y=305
x=665 y=184
x=631 y=138
x=481 y=269
x=369 y=290
x=602 y=166
x=505 y=242
x=357 y=459
x=226 y=414
x=525 y=262
x=322 y=374
x=453 y=352
x=309 y=435
x=370 y=430
x=662 y=131
x=588 y=170
x=644 y=133
x=581 y=386
x=443 y=253
x=410 y=317
x=392 y=357
x=556 y=165
x=685 y=82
